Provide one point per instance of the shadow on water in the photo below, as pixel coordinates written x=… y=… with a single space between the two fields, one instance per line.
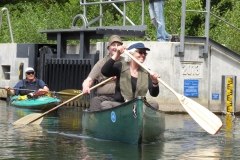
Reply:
x=69 y=127
x=117 y=150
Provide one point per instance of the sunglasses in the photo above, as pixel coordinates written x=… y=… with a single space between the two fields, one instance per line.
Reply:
x=28 y=73
x=142 y=52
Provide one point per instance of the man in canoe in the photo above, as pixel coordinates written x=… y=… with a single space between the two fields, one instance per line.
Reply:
x=28 y=85
x=107 y=90
x=132 y=80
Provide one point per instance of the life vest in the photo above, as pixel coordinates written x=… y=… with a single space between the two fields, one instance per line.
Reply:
x=27 y=85
x=126 y=85
x=109 y=87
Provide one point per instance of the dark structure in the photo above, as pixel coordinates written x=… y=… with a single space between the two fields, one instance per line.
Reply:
x=62 y=70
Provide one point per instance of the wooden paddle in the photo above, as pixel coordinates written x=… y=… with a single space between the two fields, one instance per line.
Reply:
x=205 y=118
x=35 y=117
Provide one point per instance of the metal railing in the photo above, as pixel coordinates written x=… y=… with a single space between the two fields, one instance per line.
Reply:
x=180 y=49
x=204 y=51
x=112 y=2
x=9 y=23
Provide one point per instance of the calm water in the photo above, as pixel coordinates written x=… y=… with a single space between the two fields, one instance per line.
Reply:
x=59 y=137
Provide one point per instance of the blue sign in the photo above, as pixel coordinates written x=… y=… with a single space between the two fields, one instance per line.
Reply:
x=113 y=116
x=190 y=88
x=215 y=96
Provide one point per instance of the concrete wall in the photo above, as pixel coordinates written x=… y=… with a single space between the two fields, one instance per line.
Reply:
x=9 y=65
x=174 y=70
x=221 y=64
x=161 y=59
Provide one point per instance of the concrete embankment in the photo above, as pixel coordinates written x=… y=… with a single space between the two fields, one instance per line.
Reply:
x=205 y=80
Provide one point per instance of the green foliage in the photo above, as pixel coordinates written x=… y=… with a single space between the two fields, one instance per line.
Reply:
x=29 y=16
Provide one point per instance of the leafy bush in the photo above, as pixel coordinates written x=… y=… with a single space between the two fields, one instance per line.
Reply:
x=29 y=16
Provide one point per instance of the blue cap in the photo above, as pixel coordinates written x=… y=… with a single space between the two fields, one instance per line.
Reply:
x=138 y=45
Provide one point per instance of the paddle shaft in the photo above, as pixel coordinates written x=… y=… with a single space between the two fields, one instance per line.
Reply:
x=205 y=118
x=60 y=92
x=18 y=89
x=77 y=96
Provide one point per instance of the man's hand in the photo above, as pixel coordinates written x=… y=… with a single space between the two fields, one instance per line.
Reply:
x=7 y=88
x=86 y=85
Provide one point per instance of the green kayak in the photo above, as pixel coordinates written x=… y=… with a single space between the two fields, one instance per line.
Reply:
x=133 y=122
x=41 y=102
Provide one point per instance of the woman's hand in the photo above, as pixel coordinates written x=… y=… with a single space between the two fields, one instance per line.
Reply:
x=154 y=76
x=120 y=50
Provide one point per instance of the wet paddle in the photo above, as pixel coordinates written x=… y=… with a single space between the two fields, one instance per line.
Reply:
x=67 y=93
x=205 y=118
x=36 y=117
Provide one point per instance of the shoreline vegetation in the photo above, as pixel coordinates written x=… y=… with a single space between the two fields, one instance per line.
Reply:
x=29 y=16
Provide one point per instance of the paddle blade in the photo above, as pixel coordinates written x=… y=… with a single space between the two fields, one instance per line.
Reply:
x=24 y=120
x=205 y=118
x=68 y=93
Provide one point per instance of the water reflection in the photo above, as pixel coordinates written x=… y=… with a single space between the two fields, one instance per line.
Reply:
x=229 y=122
x=60 y=137
x=186 y=140
x=104 y=149
x=19 y=141
x=71 y=117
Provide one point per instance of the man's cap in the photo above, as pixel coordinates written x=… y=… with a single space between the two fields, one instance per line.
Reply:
x=138 y=45
x=29 y=69
x=114 y=38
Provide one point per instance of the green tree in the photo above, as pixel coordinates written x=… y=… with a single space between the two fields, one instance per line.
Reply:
x=29 y=16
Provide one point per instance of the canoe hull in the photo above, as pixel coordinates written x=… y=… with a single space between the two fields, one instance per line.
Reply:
x=133 y=122
x=43 y=102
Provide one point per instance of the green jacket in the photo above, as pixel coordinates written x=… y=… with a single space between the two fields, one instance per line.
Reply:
x=126 y=86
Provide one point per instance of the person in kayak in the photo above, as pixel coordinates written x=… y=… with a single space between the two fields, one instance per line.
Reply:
x=28 y=85
x=132 y=80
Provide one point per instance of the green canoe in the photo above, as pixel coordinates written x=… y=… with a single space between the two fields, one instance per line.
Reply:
x=133 y=122
x=42 y=102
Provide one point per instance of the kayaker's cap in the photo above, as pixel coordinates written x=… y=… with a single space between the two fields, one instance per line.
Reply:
x=29 y=69
x=114 y=38
x=138 y=45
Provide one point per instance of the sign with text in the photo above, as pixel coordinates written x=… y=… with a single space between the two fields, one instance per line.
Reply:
x=190 y=88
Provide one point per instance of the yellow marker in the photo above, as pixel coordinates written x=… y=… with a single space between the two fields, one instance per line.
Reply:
x=229 y=93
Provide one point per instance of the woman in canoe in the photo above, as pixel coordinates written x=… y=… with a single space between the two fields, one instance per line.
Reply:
x=132 y=80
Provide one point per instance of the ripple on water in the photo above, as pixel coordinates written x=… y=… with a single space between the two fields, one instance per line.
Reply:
x=60 y=137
